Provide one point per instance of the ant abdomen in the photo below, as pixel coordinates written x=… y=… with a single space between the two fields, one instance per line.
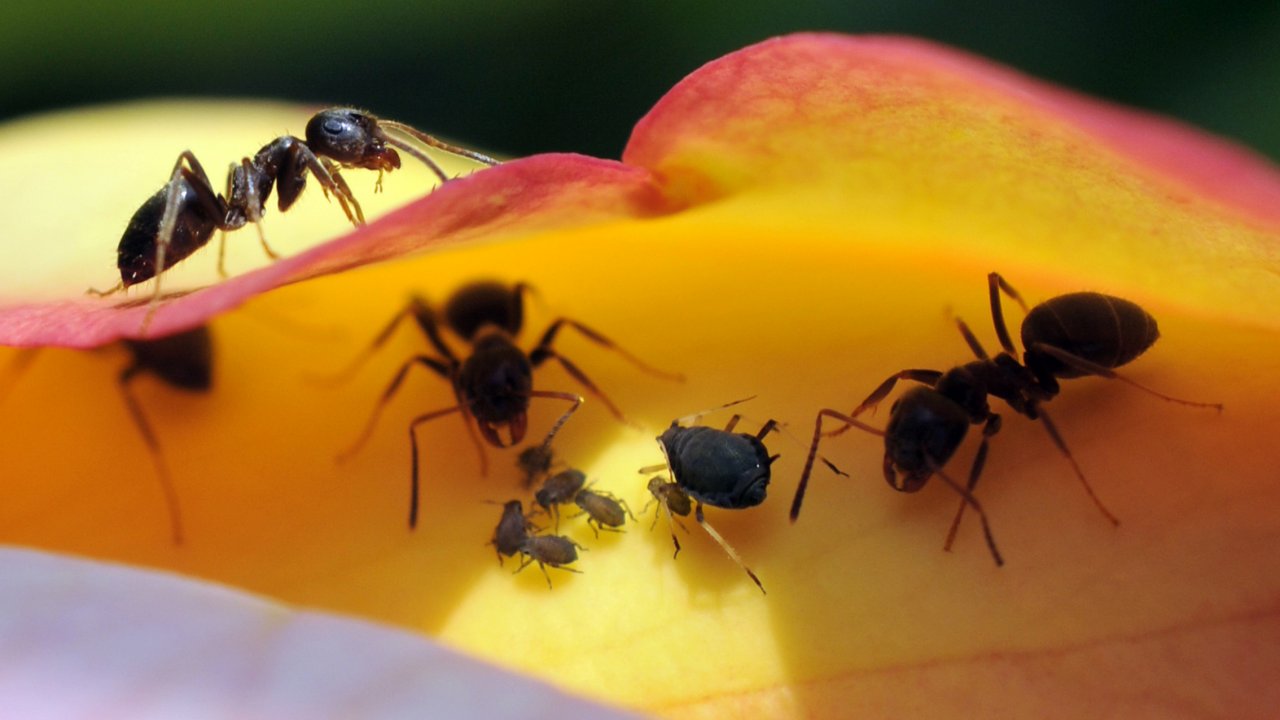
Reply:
x=485 y=303
x=1102 y=329
x=193 y=225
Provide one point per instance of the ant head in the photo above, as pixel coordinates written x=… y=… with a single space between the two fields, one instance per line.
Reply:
x=351 y=138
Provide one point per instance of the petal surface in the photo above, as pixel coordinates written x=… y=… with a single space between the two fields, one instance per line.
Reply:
x=795 y=221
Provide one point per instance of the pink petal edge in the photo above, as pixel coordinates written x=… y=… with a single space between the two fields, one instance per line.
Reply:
x=520 y=196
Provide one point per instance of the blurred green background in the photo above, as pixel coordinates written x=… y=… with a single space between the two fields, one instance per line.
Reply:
x=526 y=76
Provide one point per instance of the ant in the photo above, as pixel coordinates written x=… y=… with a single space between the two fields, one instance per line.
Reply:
x=604 y=510
x=554 y=550
x=180 y=218
x=713 y=467
x=494 y=384
x=1068 y=336
x=512 y=530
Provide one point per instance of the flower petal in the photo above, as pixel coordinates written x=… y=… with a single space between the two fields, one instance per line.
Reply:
x=85 y=639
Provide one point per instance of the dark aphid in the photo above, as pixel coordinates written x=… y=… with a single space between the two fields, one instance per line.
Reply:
x=534 y=462
x=494 y=384
x=559 y=489
x=554 y=550
x=720 y=468
x=1065 y=337
x=512 y=530
x=672 y=501
x=182 y=216
x=604 y=511
x=183 y=361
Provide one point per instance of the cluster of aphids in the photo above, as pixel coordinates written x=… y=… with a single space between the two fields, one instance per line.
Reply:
x=1069 y=336
x=516 y=532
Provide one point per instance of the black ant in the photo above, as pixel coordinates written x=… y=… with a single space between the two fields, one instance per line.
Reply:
x=184 y=361
x=494 y=384
x=714 y=467
x=1068 y=336
x=604 y=510
x=512 y=530
x=554 y=550
x=181 y=217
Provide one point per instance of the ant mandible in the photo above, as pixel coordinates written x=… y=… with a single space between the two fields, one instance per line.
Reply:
x=494 y=384
x=1068 y=336
x=181 y=217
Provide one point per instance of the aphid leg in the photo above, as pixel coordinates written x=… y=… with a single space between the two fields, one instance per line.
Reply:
x=813 y=453
x=996 y=284
x=1093 y=368
x=733 y=555
x=991 y=427
x=425 y=360
x=970 y=499
x=924 y=377
x=413 y=444
x=733 y=422
x=153 y=448
x=1052 y=429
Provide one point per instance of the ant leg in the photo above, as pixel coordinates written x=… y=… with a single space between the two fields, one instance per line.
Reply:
x=692 y=418
x=924 y=377
x=222 y=233
x=548 y=337
x=1093 y=368
x=424 y=360
x=733 y=555
x=568 y=397
x=153 y=448
x=196 y=178
x=413 y=443
x=972 y=340
x=813 y=452
x=1057 y=440
x=253 y=209
x=975 y=471
x=970 y=499
x=327 y=175
x=996 y=284
x=416 y=308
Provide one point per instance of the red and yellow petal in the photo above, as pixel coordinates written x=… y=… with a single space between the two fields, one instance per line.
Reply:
x=794 y=221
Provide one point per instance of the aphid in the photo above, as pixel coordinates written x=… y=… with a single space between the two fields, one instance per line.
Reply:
x=534 y=462
x=554 y=550
x=1068 y=336
x=184 y=361
x=512 y=530
x=558 y=490
x=604 y=510
x=672 y=501
x=714 y=467
x=182 y=216
x=494 y=384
